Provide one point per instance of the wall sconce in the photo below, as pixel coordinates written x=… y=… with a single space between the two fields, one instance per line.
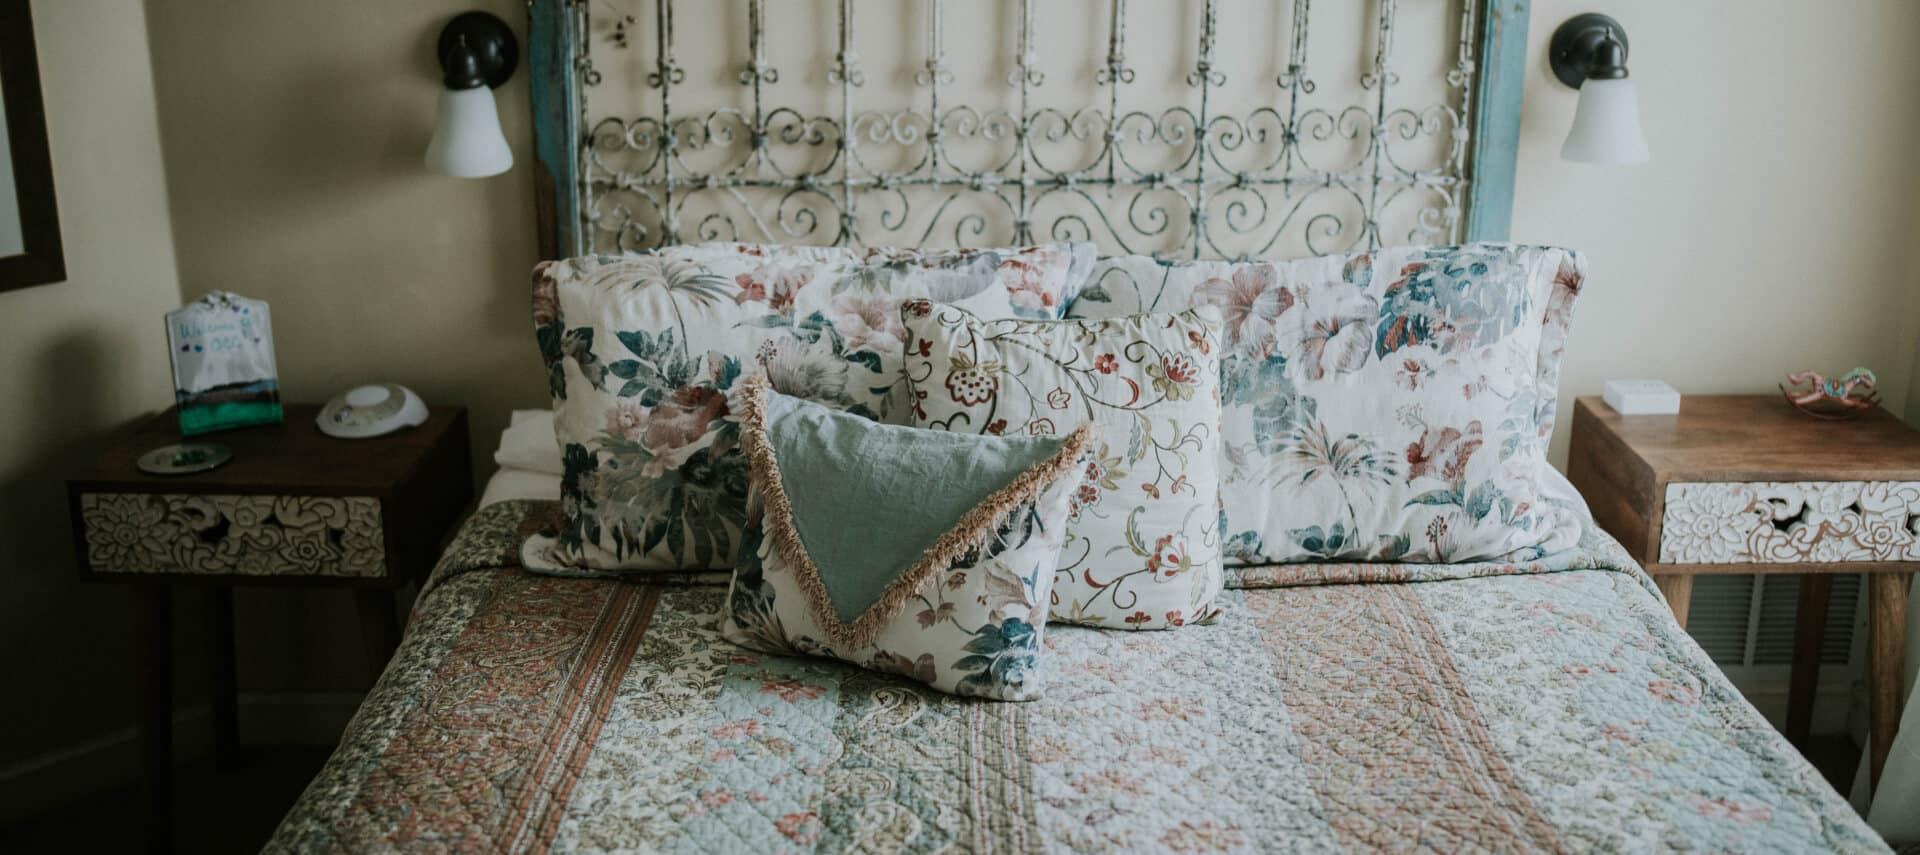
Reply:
x=1589 y=53
x=478 y=53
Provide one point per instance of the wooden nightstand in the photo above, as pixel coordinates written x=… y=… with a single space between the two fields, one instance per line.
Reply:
x=294 y=506
x=1746 y=484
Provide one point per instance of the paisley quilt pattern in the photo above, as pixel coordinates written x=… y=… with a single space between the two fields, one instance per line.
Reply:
x=1551 y=706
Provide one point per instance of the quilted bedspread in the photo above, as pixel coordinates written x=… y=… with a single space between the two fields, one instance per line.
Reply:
x=1532 y=707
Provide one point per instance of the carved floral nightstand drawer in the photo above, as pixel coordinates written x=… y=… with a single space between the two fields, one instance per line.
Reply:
x=293 y=507
x=1745 y=484
x=1790 y=523
x=234 y=535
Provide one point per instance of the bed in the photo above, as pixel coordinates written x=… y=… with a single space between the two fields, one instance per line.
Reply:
x=1552 y=705
x=1545 y=706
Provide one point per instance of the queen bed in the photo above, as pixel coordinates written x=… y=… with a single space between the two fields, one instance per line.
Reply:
x=1534 y=707
x=1361 y=700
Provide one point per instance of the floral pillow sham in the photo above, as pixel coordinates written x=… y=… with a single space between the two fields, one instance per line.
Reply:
x=1385 y=406
x=954 y=595
x=1080 y=257
x=642 y=352
x=1143 y=538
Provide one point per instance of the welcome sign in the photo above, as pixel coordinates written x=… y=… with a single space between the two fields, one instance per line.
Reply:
x=223 y=368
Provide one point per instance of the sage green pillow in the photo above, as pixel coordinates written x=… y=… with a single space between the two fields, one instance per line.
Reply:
x=923 y=553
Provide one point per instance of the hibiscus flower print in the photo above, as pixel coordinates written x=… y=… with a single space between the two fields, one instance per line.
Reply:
x=1443 y=452
x=774 y=286
x=1332 y=334
x=1026 y=283
x=1566 y=287
x=1250 y=305
x=806 y=370
x=868 y=323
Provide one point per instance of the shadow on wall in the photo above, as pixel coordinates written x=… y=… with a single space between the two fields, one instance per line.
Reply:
x=92 y=681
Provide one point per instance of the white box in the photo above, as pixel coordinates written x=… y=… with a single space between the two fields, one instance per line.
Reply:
x=1641 y=397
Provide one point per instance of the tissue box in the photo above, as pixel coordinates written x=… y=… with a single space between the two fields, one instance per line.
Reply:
x=1641 y=397
x=223 y=368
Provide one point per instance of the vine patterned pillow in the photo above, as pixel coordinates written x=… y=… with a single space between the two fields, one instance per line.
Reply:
x=1143 y=540
x=1386 y=406
x=643 y=351
x=953 y=595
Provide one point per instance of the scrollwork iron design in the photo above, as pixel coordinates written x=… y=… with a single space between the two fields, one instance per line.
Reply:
x=1182 y=180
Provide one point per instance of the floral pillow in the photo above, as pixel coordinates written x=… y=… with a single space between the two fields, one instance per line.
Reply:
x=643 y=350
x=1385 y=406
x=1079 y=257
x=1143 y=538
x=953 y=596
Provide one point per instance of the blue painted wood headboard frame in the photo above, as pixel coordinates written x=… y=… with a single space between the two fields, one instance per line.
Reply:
x=572 y=184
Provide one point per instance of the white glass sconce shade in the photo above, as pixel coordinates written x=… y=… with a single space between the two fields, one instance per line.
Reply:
x=1606 y=125
x=467 y=141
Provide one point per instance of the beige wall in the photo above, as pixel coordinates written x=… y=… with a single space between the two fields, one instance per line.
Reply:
x=80 y=356
x=1773 y=230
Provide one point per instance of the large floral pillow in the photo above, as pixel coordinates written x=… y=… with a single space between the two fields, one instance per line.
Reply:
x=848 y=554
x=1385 y=406
x=1143 y=541
x=642 y=351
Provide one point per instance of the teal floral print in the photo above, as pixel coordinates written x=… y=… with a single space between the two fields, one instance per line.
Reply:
x=643 y=352
x=1384 y=406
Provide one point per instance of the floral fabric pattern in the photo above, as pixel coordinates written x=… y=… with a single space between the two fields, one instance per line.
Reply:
x=643 y=351
x=238 y=535
x=1392 y=406
x=974 y=628
x=1534 y=709
x=1143 y=547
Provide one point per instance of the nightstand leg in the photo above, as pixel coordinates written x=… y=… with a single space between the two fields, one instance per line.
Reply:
x=1886 y=645
x=1678 y=589
x=156 y=730
x=1809 y=629
x=379 y=628
x=226 y=701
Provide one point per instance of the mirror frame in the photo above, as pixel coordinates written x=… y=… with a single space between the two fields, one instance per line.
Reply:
x=43 y=261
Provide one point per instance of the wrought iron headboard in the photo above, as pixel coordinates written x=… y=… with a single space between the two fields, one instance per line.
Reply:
x=624 y=163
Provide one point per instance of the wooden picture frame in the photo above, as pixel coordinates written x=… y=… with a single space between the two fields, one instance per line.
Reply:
x=30 y=251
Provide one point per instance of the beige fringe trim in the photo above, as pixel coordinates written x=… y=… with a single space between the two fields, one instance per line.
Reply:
x=971 y=531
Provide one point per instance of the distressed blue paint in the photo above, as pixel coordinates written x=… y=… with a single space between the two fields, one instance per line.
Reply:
x=1496 y=133
x=556 y=126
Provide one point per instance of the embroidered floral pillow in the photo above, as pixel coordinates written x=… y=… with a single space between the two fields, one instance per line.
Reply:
x=847 y=553
x=642 y=351
x=1385 y=406
x=1143 y=541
